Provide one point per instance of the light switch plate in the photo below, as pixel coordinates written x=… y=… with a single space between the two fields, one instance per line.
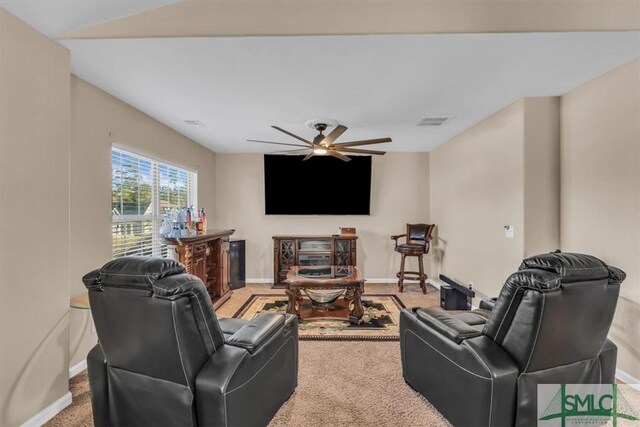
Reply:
x=508 y=231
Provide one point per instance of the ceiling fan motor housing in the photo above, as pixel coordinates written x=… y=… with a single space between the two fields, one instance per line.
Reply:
x=320 y=127
x=328 y=123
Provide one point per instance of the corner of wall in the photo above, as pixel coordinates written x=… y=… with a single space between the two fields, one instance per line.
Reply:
x=541 y=175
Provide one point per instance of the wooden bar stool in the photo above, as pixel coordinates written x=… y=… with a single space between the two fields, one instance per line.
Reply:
x=417 y=243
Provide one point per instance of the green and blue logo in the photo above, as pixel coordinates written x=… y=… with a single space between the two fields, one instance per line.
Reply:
x=583 y=404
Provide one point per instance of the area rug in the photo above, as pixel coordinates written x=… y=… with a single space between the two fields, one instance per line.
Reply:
x=381 y=317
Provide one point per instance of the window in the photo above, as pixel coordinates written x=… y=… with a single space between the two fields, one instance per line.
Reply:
x=141 y=190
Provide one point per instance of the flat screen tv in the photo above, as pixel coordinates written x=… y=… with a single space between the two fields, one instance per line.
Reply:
x=322 y=185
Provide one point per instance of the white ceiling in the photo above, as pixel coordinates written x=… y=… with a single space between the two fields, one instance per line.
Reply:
x=376 y=85
x=53 y=17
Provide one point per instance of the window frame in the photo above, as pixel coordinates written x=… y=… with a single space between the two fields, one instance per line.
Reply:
x=156 y=217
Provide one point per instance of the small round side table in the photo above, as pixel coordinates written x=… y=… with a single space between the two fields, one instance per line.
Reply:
x=80 y=301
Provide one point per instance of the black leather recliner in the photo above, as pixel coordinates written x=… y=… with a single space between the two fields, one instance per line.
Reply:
x=163 y=359
x=548 y=326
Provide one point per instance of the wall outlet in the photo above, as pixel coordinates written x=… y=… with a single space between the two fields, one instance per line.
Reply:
x=508 y=231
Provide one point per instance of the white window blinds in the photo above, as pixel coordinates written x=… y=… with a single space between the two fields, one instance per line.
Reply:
x=141 y=190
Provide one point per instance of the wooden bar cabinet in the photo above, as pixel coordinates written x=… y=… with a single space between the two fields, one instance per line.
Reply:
x=205 y=256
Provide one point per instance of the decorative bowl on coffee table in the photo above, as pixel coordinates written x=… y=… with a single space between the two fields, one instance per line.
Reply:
x=321 y=298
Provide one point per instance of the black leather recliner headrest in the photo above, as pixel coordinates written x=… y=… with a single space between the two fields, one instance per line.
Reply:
x=133 y=272
x=546 y=273
x=572 y=267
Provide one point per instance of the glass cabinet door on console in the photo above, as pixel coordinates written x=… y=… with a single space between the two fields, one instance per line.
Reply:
x=314 y=245
x=314 y=259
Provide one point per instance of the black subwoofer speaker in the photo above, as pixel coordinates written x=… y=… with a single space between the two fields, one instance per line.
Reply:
x=452 y=299
x=237 y=257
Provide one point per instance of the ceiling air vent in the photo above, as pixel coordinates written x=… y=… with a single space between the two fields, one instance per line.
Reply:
x=434 y=121
x=196 y=123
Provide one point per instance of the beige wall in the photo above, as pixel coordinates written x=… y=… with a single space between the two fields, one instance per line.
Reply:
x=99 y=120
x=488 y=177
x=399 y=195
x=541 y=175
x=476 y=189
x=34 y=221
x=601 y=189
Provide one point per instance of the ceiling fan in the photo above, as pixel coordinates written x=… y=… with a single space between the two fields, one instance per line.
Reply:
x=325 y=144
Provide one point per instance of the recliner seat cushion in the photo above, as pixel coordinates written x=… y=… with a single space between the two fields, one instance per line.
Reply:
x=473 y=318
x=446 y=323
x=410 y=249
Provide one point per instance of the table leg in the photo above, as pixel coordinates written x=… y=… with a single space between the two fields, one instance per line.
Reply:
x=292 y=306
x=348 y=295
x=358 y=310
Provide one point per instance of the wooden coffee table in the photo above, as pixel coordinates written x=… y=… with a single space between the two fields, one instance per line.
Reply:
x=326 y=278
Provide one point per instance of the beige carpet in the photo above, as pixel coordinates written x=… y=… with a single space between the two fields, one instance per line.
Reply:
x=353 y=383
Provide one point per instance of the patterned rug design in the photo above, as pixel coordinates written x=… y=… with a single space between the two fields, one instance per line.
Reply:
x=381 y=317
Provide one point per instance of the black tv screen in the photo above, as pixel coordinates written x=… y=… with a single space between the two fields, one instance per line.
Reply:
x=322 y=185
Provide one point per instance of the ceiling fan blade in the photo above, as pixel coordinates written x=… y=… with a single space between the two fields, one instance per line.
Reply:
x=338 y=155
x=362 y=142
x=292 y=134
x=302 y=151
x=276 y=143
x=310 y=155
x=335 y=134
x=355 y=150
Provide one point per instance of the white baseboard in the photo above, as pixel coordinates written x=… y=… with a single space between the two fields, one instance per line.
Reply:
x=628 y=379
x=385 y=280
x=267 y=281
x=49 y=412
x=434 y=283
x=77 y=368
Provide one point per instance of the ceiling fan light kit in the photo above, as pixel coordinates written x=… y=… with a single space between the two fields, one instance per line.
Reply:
x=324 y=144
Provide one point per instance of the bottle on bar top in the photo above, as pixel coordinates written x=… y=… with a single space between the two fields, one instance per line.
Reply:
x=203 y=218
x=200 y=224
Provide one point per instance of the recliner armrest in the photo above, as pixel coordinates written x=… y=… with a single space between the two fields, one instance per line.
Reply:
x=488 y=303
x=454 y=329
x=257 y=331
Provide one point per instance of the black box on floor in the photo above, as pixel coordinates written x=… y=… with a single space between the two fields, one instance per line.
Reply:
x=452 y=299
x=454 y=296
x=237 y=273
